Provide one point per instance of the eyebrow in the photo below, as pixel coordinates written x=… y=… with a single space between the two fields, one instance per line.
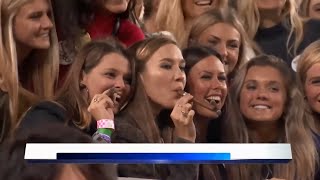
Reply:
x=216 y=37
x=255 y=81
x=314 y=78
x=173 y=61
x=209 y=72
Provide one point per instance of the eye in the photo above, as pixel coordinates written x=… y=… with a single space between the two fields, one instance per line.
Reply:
x=35 y=15
x=316 y=82
x=222 y=78
x=166 y=66
x=206 y=77
x=182 y=67
x=274 y=89
x=251 y=87
x=234 y=45
x=110 y=75
x=213 y=42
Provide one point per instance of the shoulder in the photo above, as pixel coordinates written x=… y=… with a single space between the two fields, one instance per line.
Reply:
x=46 y=111
x=127 y=131
x=311 y=28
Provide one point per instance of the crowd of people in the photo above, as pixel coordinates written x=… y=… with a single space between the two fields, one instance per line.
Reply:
x=160 y=71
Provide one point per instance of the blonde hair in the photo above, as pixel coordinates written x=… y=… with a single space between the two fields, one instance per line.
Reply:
x=227 y=16
x=250 y=15
x=309 y=57
x=42 y=71
x=297 y=126
x=304 y=8
x=170 y=18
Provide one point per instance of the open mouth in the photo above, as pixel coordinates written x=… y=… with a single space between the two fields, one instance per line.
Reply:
x=261 y=107
x=203 y=2
x=213 y=100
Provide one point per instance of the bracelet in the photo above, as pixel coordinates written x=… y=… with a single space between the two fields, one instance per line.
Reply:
x=105 y=123
x=102 y=138
x=107 y=132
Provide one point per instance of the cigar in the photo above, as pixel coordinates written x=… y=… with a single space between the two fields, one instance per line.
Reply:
x=212 y=102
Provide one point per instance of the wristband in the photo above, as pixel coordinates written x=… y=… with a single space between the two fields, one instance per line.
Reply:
x=105 y=124
x=105 y=131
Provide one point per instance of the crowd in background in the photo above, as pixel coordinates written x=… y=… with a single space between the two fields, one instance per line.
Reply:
x=160 y=71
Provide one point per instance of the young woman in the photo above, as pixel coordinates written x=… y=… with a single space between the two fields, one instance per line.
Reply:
x=29 y=59
x=222 y=30
x=207 y=82
x=266 y=106
x=160 y=83
x=97 y=87
x=182 y=14
x=309 y=76
x=277 y=28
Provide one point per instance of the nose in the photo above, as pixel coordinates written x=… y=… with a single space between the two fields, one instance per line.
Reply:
x=222 y=50
x=119 y=84
x=180 y=76
x=217 y=84
x=262 y=94
x=46 y=22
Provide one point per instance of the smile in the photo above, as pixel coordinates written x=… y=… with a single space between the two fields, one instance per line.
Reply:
x=203 y=2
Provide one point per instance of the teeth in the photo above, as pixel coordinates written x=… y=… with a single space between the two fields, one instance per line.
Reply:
x=261 y=107
x=215 y=99
x=203 y=3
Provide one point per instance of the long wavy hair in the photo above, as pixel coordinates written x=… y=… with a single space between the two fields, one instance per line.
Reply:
x=170 y=18
x=71 y=95
x=139 y=107
x=250 y=15
x=40 y=69
x=298 y=126
x=309 y=57
x=227 y=16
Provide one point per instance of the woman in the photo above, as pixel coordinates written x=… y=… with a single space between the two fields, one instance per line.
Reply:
x=207 y=82
x=310 y=9
x=28 y=58
x=160 y=83
x=97 y=87
x=308 y=72
x=277 y=28
x=222 y=30
x=266 y=106
x=182 y=14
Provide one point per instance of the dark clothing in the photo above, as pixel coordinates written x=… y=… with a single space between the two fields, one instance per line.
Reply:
x=47 y=112
x=127 y=131
x=274 y=40
x=5 y=116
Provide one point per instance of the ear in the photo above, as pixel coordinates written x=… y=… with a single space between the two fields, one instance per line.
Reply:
x=83 y=78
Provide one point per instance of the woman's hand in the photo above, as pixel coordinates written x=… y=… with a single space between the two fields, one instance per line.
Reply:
x=101 y=106
x=182 y=117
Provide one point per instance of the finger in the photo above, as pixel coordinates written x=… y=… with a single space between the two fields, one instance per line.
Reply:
x=190 y=117
x=109 y=92
x=185 y=99
x=187 y=107
x=106 y=102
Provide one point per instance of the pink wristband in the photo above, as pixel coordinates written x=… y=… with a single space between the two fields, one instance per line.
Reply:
x=105 y=123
